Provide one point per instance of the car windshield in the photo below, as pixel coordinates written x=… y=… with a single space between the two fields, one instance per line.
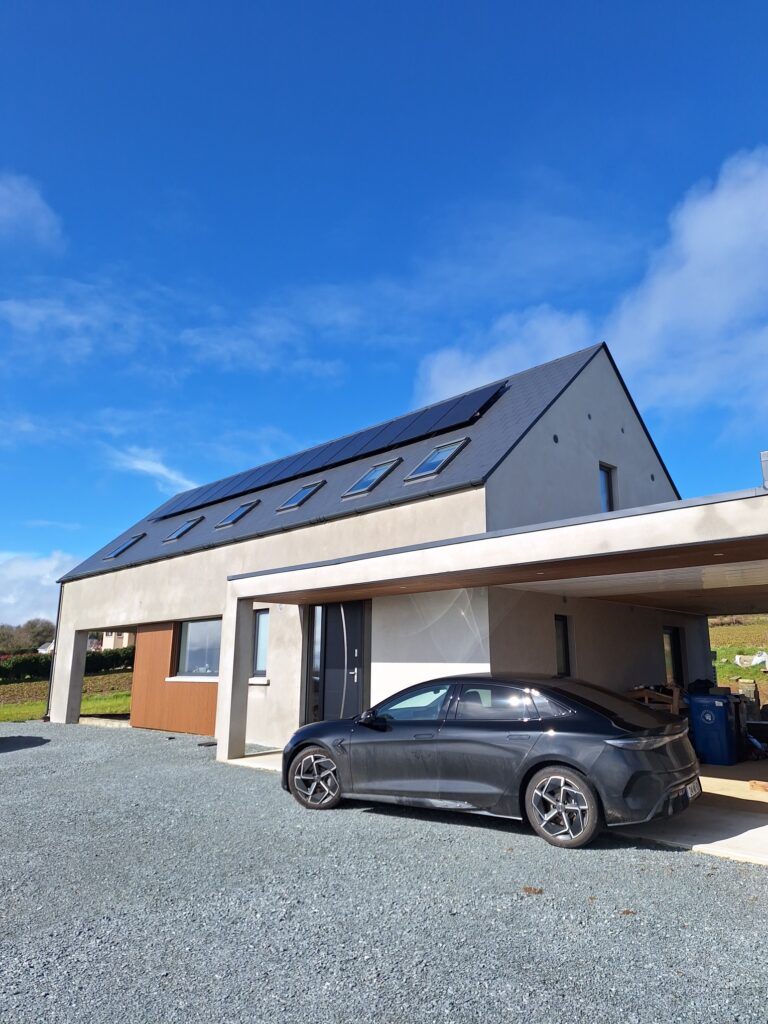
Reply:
x=617 y=706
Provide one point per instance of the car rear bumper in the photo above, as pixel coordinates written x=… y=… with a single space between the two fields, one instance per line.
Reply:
x=676 y=797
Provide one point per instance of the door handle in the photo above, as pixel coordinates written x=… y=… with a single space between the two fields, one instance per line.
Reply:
x=518 y=735
x=423 y=735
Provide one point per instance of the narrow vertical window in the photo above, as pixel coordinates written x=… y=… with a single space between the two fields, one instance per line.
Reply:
x=260 y=642
x=673 y=656
x=562 y=646
x=607 y=497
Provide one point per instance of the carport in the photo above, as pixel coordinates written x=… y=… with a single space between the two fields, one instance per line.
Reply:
x=706 y=556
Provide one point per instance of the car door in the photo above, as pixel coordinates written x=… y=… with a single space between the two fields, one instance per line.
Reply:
x=395 y=755
x=489 y=732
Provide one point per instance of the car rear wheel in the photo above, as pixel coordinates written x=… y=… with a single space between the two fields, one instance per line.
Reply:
x=313 y=779
x=562 y=806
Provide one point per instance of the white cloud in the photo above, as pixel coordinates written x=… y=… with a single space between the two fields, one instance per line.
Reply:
x=150 y=463
x=514 y=342
x=50 y=524
x=28 y=584
x=693 y=332
x=25 y=217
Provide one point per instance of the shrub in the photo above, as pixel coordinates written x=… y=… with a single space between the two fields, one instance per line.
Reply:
x=19 y=667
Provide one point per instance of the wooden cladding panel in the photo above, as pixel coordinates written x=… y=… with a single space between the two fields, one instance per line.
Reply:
x=156 y=704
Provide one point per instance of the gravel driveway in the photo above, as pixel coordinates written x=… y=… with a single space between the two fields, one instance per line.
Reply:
x=142 y=882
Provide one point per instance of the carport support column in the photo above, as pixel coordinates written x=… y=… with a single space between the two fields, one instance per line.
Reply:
x=235 y=664
x=68 y=671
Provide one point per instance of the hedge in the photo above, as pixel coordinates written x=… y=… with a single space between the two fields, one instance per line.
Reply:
x=19 y=667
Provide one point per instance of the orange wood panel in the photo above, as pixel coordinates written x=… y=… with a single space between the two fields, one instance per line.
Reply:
x=156 y=704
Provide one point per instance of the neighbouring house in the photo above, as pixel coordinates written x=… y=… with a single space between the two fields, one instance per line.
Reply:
x=528 y=525
x=46 y=648
x=112 y=640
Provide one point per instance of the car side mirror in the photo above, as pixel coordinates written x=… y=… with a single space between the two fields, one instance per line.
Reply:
x=371 y=720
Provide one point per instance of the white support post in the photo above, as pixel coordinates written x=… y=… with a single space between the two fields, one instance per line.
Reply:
x=68 y=671
x=235 y=664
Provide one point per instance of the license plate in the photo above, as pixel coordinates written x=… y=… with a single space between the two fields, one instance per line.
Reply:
x=693 y=789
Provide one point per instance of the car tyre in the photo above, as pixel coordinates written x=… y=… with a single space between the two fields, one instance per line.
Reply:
x=563 y=807
x=313 y=779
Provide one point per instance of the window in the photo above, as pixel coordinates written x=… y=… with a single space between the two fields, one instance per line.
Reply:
x=607 y=502
x=437 y=459
x=184 y=528
x=124 y=546
x=562 y=646
x=238 y=513
x=673 y=656
x=547 y=707
x=301 y=496
x=260 y=641
x=199 y=645
x=495 y=702
x=422 y=705
x=374 y=476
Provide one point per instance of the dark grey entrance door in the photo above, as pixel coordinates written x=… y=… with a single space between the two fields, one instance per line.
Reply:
x=337 y=675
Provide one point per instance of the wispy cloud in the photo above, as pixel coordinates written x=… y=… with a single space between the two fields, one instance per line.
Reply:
x=28 y=584
x=52 y=524
x=693 y=332
x=25 y=217
x=149 y=462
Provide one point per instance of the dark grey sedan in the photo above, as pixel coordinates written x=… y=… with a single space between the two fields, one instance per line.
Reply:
x=567 y=756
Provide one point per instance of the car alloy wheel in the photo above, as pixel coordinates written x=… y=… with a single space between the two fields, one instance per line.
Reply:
x=562 y=807
x=315 y=780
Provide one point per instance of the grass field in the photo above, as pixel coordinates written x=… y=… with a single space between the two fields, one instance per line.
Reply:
x=746 y=637
x=107 y=694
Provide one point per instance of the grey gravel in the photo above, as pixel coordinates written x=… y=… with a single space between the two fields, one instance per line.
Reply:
x=142 y=882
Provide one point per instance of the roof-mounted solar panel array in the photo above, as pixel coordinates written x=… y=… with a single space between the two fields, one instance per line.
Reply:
x=443 y=416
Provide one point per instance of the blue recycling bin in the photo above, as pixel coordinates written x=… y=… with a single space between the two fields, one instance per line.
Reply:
x=713 y=723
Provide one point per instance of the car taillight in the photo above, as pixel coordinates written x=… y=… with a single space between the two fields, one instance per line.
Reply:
x=646 y=742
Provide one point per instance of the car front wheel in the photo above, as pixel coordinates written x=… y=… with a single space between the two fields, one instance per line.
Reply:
x=562 y=806
x=313 y=779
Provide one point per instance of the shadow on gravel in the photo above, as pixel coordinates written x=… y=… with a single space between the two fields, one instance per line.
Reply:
x=605 y=841
x=10 y=743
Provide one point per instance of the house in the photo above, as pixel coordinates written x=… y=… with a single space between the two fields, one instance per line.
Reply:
x=46 y=648
x=529 y=525
x=113 y=640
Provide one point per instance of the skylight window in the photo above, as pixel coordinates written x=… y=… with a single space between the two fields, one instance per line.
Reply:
x=237 y=514
x=184 y=528
x=301 y=496
x=437 y=459
x=124 y=546
x=374 y=476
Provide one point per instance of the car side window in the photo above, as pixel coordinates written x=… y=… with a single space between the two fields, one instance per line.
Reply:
x=422 y=705
x=549 y=708
x=495 y=702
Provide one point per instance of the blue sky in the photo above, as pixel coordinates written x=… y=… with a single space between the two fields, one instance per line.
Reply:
x=231 y=230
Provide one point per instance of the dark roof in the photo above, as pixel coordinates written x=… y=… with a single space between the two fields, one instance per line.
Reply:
x=514 y=407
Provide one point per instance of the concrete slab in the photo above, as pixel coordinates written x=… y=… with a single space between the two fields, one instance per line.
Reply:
x=745 y=781
x=268 y=761
x=716 y=825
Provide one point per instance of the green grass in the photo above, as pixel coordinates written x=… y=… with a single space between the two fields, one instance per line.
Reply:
x=93 y=704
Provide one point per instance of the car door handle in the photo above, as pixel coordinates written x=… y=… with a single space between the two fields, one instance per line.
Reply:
x=423 y=735
x=518 y=735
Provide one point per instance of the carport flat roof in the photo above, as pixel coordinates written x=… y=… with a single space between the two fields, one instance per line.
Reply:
x=706 y=556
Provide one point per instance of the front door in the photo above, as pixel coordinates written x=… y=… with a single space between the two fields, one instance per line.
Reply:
x=337 y=676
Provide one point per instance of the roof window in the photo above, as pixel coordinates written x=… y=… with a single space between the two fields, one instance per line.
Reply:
x=437 y=459
x=237 y=514
x=372 y=478
x=184 y=528
x=300 y=496
x=124 y=545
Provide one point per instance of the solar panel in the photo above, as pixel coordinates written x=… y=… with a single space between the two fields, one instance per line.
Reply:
x=438 y=418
